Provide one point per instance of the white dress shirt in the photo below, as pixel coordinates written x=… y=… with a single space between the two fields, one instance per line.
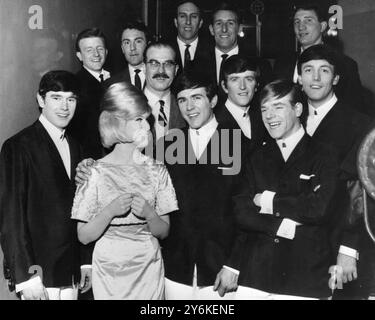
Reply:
x=153 y=101
x=58 y=137
x=241 y=115
x=218 y=58
x=182 y=47
x=316 y=115
x=141 y=74
x=96 y=75
x=200 y=138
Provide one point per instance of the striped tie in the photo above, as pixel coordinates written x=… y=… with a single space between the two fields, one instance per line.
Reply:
x=162 y=119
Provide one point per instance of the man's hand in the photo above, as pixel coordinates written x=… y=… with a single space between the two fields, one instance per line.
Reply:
x=141 y=208
x=349 y=267
x=83 y=171
x=256 y=199
x=86 y=279
x=226 y=281
x=35 y=292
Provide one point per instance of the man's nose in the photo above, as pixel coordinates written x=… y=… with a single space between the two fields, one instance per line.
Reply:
x=316 y=75
x=301 y=26
x=224 y=27
x=188 y=20
x=96 y=53
x=145 y=125
x=242 y=84
x=64 y=104
x=132 y=46
x=161 y=68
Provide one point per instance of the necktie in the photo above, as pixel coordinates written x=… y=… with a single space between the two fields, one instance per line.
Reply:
x=101 y=76
x=187 y=58
x=137 y=79
x=223 y=58
x=162 y=119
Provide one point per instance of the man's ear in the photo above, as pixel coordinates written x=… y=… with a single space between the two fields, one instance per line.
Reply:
x=223 y=85
x=299 y=79
x=211 y=28
x=213 y=101
x=240 y=28
x=175 y=22
x=200 y=24
x=336 y=79
x=176 y=70
x=79 y=55
x=323 y=26
x=298 y=108
x=40 y=100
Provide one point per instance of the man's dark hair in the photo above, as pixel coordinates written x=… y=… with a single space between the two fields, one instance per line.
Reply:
x=279 y=89
x=137 y=25
x=58 y=80
x=227 y=6
x=90 y=33
x=193 y=80
x=320 y=52
x=181 y=2
x=321 y=14
x=158 y=44
x=239 y=63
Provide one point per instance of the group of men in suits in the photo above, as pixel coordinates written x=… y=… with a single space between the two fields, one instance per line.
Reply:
x=269 y=226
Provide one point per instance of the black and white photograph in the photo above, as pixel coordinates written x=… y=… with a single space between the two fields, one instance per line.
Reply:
x=203 y=151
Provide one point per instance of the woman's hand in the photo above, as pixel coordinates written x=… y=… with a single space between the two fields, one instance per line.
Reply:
x=119 y=206
x=141 y=208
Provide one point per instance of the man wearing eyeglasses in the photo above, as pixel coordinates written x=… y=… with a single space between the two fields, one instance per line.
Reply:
x=161 y=69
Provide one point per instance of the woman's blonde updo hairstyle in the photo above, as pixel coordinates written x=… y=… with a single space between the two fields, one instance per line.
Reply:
x=121 y=101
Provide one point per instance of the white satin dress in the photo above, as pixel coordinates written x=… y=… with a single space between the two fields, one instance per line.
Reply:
x=127 y=262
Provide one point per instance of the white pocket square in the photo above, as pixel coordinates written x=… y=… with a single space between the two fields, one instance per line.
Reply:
x=305 y=177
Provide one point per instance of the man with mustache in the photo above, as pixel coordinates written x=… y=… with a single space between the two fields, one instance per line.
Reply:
x=161 y=69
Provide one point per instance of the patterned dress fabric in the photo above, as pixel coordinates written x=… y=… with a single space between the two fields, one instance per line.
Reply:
x=127 y=262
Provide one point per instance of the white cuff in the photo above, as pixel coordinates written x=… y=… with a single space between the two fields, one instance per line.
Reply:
x=235 y=271
x=86 y=266
x=349 y=252
x=29 y=283
x=266 y=202
x=287 y=229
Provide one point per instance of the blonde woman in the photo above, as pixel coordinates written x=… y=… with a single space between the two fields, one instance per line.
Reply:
x=125 y=202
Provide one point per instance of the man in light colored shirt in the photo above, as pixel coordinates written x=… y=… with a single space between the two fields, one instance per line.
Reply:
x=188 y=21
x=91 y=50
x=161 y=69
x=199 y=249
x=332 y=121
x=134 y=39
x=288 y=186
x=37 y=167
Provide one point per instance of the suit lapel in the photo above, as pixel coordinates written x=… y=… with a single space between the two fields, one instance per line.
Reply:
x=298 y=152
x=326 y=124
x=52 y=152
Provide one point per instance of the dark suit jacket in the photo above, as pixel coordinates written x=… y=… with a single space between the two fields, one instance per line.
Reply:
x=36 y=197
x=84 y=125
x=348 y=89
x=343 y=129
x=203 y=231
x=258 y=130
x=272 y=263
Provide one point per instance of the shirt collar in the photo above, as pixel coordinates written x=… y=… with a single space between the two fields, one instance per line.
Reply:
x=230 y=53
x=54 y=132
x=235 y=109
x=182 y=45
x=324 y=108
x=96 y=75
x=208 y=128
x=291 y=142
x=153 y=98
x=141 y=67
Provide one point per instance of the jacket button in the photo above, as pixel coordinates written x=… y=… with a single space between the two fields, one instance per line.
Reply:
x=277 y=214
x=276 y=240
